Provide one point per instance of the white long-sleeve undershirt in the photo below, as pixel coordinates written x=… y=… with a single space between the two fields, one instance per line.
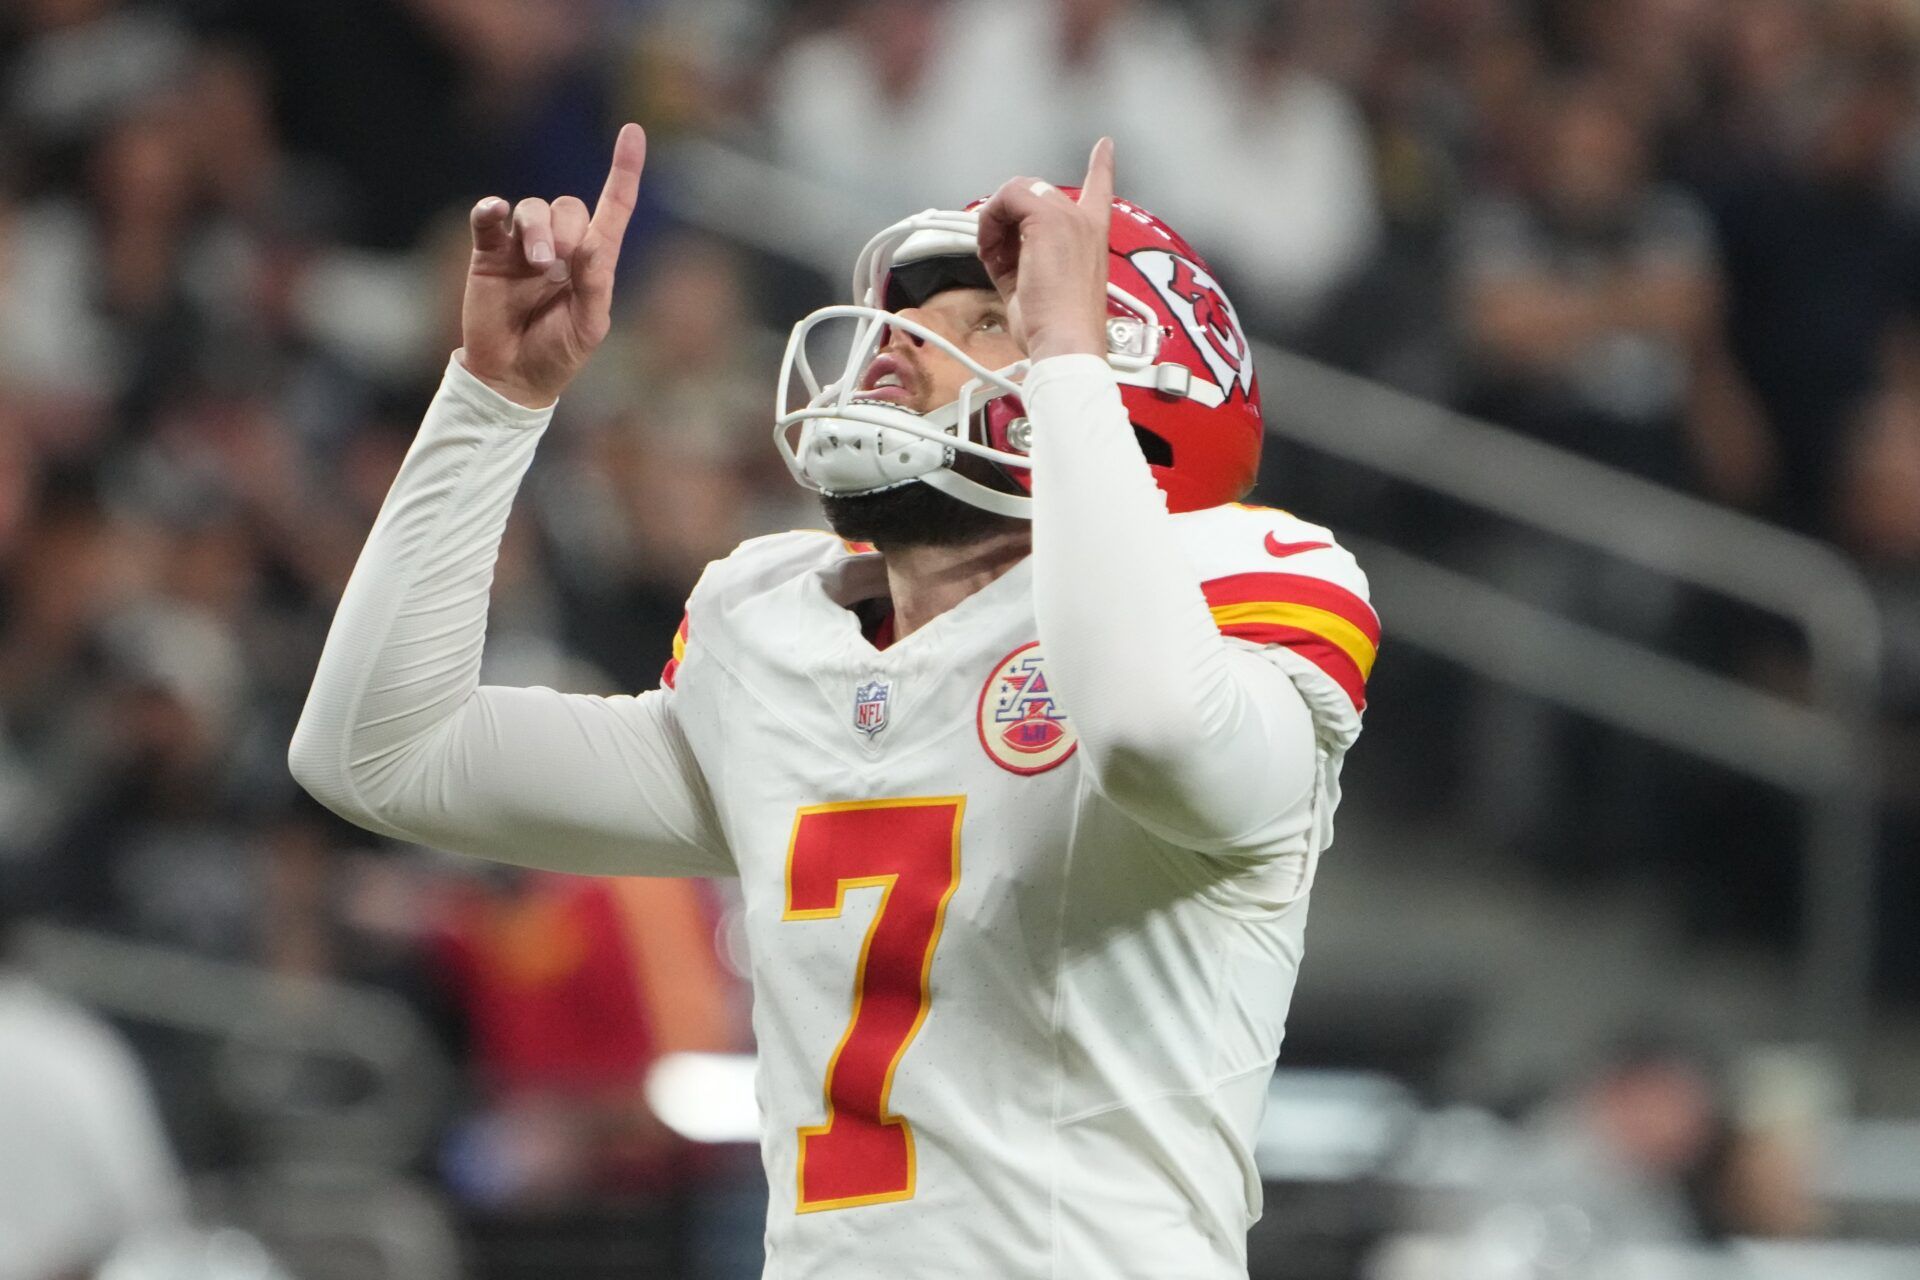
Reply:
x=1199 y=738
x=399 y=736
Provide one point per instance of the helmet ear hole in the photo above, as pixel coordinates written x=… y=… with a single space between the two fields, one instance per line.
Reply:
x=1153 y=447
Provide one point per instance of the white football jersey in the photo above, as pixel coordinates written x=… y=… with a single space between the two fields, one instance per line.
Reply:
x=1004 y=1031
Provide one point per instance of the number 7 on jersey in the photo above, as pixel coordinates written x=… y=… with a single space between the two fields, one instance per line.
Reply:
x=909 y=849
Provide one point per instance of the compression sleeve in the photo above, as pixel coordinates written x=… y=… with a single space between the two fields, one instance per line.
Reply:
x=1199 y=738
x=398 y=736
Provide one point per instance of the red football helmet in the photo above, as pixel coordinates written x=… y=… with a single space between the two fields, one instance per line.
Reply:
x=1174 y=341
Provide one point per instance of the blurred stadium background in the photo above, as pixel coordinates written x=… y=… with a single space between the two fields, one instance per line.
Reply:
x=1590 y=324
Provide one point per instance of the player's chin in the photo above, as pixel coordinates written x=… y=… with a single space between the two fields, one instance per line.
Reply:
x=912 y=515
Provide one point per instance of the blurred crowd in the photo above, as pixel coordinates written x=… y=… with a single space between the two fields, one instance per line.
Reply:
x=1676 y=236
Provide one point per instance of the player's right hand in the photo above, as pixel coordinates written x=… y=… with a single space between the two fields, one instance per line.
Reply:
x=540 y=283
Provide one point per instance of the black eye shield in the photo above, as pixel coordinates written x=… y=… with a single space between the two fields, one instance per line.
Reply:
x=911 y=284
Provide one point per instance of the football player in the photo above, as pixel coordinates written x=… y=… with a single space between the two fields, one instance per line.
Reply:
x=1024 y=770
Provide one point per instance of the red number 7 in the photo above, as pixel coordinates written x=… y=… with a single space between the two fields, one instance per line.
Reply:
x=910 y=848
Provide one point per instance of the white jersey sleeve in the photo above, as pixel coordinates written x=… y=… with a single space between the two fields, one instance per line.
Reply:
x=1286 y=588
x=1188 y=722
x=399 y=737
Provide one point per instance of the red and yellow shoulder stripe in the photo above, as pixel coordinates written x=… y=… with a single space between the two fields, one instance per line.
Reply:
x=1323 y=622
x=672 y=669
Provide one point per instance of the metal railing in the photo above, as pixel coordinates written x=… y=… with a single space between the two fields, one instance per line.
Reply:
x=327 y=1188
x=266 y=1026
x=1821 y=752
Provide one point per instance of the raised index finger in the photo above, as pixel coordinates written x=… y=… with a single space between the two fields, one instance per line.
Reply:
x=617 y=198
x=1097 y=191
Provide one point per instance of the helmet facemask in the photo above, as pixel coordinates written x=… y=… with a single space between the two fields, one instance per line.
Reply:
x=841 y=444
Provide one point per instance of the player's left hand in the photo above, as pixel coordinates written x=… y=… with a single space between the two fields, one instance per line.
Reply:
x=1047 y=255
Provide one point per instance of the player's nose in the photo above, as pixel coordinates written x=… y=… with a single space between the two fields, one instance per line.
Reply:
x=902 y=336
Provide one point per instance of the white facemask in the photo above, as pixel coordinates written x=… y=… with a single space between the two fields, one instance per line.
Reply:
x=841 y=444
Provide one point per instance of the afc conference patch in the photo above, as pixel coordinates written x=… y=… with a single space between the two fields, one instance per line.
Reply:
x=870 y=706
x=1020 y=725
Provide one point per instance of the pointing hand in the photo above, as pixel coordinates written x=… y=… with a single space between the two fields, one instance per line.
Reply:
x=540 y=283
x=1047 y=255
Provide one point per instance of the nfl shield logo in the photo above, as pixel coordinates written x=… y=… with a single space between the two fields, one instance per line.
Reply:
x=870 y=706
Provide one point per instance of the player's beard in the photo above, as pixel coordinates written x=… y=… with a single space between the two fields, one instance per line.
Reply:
x=919 y=515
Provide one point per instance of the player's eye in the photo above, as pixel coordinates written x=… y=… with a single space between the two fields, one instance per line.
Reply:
x=992 y=322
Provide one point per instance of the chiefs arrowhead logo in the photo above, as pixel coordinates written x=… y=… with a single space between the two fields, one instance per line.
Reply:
x=1210 y=311
x=1201 y=307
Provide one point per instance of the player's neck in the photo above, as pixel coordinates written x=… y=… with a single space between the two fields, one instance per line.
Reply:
x=925 y=582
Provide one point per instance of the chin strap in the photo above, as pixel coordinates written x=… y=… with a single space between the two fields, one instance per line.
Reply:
x=972 y=492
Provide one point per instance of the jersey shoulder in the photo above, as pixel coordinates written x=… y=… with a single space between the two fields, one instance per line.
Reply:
x=766 y=563
x=1236 y=538
x=1275 y=580
x=757 y=567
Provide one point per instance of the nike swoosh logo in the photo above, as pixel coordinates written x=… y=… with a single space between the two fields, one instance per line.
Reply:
x=1279 y=548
